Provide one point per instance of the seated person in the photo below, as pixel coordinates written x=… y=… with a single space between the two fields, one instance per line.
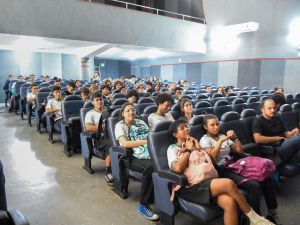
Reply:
x=126 y=132
x=221 y=91
x=70 y=88
x=213 y=190
x=31 y=99
x=133 y=96
x=54 y=104
x=178 y=94
x=164 y=102
x=105 y=91
x=219 y=146
x=229 y=89
x=268 y=129
x=186 y=107
x=91 y=121
x=118 y=84
x=77 y=84
x=57 y=82
x=85 y=94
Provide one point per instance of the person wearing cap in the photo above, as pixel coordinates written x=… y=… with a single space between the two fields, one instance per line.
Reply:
x=91 y=121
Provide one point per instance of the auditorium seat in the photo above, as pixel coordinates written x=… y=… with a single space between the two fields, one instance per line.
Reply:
x=147 y=111
x=253 y=103
x=70 y=126
x=221 y=107
x=41 y=97
x=22 y=100
x=203 y=107
x=288 y=117
x=238 y=105
x=143 y=103
x=158 y=142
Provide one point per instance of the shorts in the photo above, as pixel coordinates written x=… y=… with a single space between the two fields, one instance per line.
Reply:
x=199 y=193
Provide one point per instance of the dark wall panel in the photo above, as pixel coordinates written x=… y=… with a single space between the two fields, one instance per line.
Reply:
x=209 y=73
x=155 y=71
x=248 y=74
x=193 y=72
x=179 y=72
x=271 y=73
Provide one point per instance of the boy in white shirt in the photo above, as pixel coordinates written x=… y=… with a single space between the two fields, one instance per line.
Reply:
x=54 y=104
x=31 y=100
x=91 y=121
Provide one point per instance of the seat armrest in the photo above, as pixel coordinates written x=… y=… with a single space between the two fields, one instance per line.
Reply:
x=89 y=134
x=268 y=149
x=17 y=217
x=74 y=118
x=121 y=150
x=174 y=177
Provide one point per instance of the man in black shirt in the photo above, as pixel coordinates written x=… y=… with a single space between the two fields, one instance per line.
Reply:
x=268 y=129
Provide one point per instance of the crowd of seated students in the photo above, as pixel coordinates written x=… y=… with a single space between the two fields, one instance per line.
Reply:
x=132 y=133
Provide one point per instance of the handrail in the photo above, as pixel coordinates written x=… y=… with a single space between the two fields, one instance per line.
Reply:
x=157 y=11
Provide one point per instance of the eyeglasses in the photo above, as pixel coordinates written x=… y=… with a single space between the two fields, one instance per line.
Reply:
x=132 y=110
x=182 y=128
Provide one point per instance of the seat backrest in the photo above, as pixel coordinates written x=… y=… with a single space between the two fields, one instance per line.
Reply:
x=196 y=126
x=289 y=98
x=217 y=95
x=202 y=96
x=117 y=103
x=41 y=96
x=147 y=111
x=71 y=106
x=159 y=140
x=238 y=105
x=230 y=99
x=221 y=107
x=44 y=84
x=288 y=117
x=247 y=117
x=23 y=90
x=143 y=103
x=253 y=103
x=264 y=92
x=111 y=124
x=118 y=95
x=176 y=111
x=83 y=112
x=18 y=86
x=203 y=107
x=231 y=121
x=296 y=108
x=297 y=97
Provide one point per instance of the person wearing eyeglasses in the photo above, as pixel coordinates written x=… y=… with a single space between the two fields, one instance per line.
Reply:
x=132 y=134
x=31 y=100
x=91 y=121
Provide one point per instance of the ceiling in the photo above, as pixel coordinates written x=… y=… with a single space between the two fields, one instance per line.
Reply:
x=83 y=48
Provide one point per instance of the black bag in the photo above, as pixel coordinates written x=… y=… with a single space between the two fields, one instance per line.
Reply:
x=101 y=143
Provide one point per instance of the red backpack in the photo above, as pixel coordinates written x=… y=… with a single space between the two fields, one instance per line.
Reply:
x=252 y=168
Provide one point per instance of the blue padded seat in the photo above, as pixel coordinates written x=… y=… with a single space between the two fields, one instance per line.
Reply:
x=143 y=103
x=147 y=111
x=288 y=116
x=221 y=107
x=118 y=95
x=203 y=107
x=41 y=98
x=196 y=127
x=238 y=105
x=158 y=142
x=289 y=98
x=71 y=127
x=231 y=121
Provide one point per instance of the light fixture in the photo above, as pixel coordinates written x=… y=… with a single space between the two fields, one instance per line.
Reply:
x=294 y=34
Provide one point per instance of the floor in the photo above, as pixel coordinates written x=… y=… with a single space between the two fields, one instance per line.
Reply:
x=50 y=188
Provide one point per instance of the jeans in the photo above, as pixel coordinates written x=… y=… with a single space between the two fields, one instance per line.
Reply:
x=289 y=150
x=144 y=166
